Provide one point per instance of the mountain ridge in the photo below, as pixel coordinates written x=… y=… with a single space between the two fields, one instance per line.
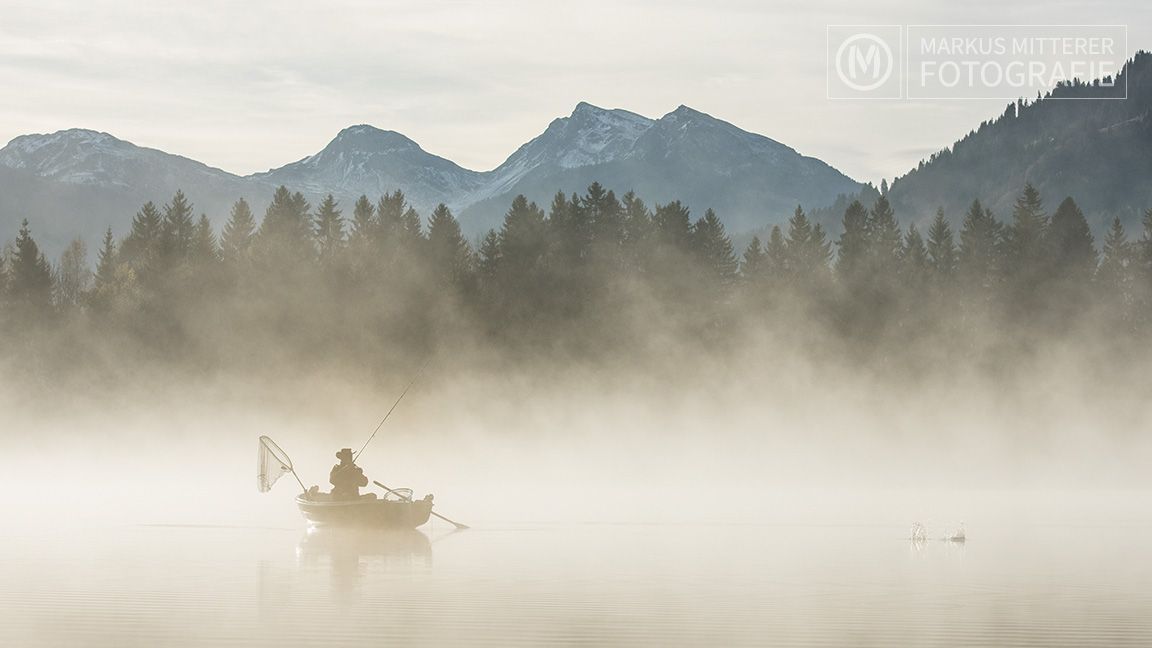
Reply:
x=685 y=154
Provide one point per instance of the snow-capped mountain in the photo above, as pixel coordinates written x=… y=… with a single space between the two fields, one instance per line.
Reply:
x=86 y=157
x=363 y=160
x=685 y=155
x=78 y=182
x=587 y=137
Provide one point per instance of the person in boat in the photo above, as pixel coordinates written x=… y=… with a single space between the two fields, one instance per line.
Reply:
x=346 y=477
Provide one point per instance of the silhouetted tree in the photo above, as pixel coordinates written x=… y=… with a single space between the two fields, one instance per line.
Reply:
x=29 y=275
x=714 y=248
x=329 y=230
x=449 y=252
x=941 y=247
x=239 y=231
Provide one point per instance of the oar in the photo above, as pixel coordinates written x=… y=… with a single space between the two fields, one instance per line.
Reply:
x=453 y=523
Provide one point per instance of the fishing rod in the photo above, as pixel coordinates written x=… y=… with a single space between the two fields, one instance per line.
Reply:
x=381 y=423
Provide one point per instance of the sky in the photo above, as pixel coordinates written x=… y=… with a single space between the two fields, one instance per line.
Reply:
x=254 y=85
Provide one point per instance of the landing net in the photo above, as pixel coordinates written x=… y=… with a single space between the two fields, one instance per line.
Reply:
x=271 y=464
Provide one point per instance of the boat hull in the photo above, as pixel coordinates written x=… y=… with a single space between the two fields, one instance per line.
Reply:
x=365 y=512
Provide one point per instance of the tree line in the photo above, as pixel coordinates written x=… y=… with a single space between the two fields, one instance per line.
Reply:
x=587 y=272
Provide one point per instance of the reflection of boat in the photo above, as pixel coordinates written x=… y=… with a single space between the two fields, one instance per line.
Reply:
x=342 y=544
x=321 y=509
x=347 y=556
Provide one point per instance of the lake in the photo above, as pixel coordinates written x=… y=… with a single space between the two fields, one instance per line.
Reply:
x=508 y=584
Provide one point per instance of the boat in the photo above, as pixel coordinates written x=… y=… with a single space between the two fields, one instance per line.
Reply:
x=395 y=510
x=365 y=511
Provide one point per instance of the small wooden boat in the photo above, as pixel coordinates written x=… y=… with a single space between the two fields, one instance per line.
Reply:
x=366 y=511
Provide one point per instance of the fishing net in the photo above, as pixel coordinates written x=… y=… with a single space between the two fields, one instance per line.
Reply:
x=271 y=464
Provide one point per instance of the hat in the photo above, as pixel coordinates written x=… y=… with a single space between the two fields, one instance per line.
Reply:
x=344 y=452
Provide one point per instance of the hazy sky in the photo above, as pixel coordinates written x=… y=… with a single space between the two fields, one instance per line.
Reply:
x=252 y=85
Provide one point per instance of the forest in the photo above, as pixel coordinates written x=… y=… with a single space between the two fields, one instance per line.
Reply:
x=588 y=278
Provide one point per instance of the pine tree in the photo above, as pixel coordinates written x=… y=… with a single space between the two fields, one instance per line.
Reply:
x=523 y=238
x=637 y=222
x=142 y=245
x=286 y=223
x=979 y=257
x=914 y=264
x=178 y=228
x=363 y=223
x=490 y=255
x=1115 y=274
x=329 y=229
x=714 y=248
x=448 y=251
x=1024 y=243
x=239 y=231
x=1070 y=243
x=29 y=275
x=776 y=254
x=884 y=239
x=941 y=246
x=106 y=261
x=808 y=253
x=754 y=265
x=204 y=249
x=673 y=224
x=853 y=242
x=390 y=212
x=604 y=216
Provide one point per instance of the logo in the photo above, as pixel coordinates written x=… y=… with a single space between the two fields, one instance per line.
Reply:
x=864 y=61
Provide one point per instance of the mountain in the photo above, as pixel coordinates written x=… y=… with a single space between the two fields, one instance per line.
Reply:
x=685 y=155
x=78 y=182
x=363 y=160
x=1097 y=151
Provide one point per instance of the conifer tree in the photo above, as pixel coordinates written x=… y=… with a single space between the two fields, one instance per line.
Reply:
x=490 y=255
x=390 y=212
x=604 y=216
x=979 y=257
x=1070 y=243
x=178 y=228
x=29 y=275
x=142 y=245
x=329 y=229
x=941 y=246
x=239 y=231
x=776 y=254
x=673 y=224
x=106 y=261
x=884 y=239
x=1024 y=243
x=754 y=264
x=523 y=238
x=914 y=264
x=637 y=222
x=286 y=225
x=714 y=248
x=363 y=223
x=449 y=253
x=853 y=242
x=808 y=253
x=1117 y=264
x=204 y=249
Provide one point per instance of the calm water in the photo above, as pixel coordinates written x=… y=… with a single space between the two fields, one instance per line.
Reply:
x=504 y=584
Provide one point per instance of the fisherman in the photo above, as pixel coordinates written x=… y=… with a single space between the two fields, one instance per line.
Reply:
x=346 y=477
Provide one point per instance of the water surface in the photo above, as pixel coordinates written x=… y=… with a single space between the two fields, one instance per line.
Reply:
x=504 y=584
